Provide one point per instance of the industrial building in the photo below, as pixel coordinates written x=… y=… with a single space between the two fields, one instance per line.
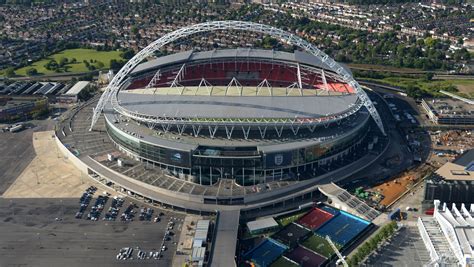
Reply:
x=452 y=183
x=14 y=108
x=452 y=110
x=72 y=95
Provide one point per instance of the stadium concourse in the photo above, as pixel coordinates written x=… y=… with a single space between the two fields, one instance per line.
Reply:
x=232 y=132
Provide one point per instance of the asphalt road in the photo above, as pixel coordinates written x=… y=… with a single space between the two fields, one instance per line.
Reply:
x=30 y=236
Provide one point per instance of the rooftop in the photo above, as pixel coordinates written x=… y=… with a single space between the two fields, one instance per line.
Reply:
x=249 y=106
x=450 y=107
x=459 y=169
x=262 y=224
x=77 y=88
x=12 y=102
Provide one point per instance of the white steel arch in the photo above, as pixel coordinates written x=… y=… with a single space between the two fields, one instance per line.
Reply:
x=120 y=78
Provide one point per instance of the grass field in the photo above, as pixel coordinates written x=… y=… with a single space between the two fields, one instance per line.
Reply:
x=320 y=246
x=80 y=55
x=465 y=86
x=373 y=67
x=282 y=262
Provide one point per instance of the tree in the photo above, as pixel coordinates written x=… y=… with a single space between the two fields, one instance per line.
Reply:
x=429 y=76
x=127 y=54
x=10 y=72
x=31 y=72
x=63 y=61
x=100 y=65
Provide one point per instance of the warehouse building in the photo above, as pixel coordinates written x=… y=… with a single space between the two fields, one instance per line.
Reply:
x=449 y=110
x=452 y=183
x=14 y=108
x=73 y=94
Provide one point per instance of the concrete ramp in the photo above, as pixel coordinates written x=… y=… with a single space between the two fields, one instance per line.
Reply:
x=345 y=201
x=225 y=243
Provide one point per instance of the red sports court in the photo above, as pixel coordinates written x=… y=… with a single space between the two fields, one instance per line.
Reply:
x=315 y=218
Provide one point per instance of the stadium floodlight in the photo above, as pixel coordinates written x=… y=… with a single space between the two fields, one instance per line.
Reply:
x=119 y=79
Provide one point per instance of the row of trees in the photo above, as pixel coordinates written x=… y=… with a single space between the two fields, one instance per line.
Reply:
x=371 y=245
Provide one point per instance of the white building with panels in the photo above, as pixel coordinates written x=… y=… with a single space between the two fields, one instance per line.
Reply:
x=449 y=235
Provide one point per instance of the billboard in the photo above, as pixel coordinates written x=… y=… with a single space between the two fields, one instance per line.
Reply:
x=178 y=158
x=279 y=159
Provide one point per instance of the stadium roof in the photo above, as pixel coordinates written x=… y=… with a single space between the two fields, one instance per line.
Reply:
x=237 y=106
x=77 y=88
x=187 y=56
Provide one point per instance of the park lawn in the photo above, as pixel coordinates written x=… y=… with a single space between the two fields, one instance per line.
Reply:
x=320 y=245
x=465 y=86
x=80 y=54
x=282 y=262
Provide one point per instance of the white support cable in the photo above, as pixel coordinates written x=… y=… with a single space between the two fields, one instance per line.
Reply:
x=266 y=84
x=262 y=131
x=204 y=83
x=196 y=130
x=177 y=79
x=116 y=84
x=298 y=72
x=246 y=132
x=324 y=81
x=279 y=130
x=153 y=80
x=338 y=253
x=212 y=131
x=234 y=83
x=229 y=131
x=291 y=87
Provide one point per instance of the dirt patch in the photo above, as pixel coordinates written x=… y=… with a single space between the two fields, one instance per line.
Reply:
x=391 y=190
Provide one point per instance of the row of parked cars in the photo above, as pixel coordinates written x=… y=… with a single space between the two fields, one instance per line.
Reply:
x=145 y=214
x=112 y=213
x=127 y=253
x=129 y=213
x=85 y=200
x=98 y=207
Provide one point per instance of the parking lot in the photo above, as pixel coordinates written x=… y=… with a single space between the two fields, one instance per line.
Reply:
x=45 y=232
x=16 y=152
x=405 y=250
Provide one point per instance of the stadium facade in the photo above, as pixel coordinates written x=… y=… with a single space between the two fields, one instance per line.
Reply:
x=240 y=129
x=236 y=126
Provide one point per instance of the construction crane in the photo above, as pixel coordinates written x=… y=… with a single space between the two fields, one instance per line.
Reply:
x=339 y=255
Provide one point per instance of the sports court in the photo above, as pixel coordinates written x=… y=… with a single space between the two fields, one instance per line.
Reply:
x=331 y=210
x=266 y=252
x=315 y=218
x=343 y=228
x=292 y=235
x=306 y=257
x=320 y=245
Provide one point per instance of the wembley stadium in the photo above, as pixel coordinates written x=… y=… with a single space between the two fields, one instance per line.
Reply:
x=225 y=127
